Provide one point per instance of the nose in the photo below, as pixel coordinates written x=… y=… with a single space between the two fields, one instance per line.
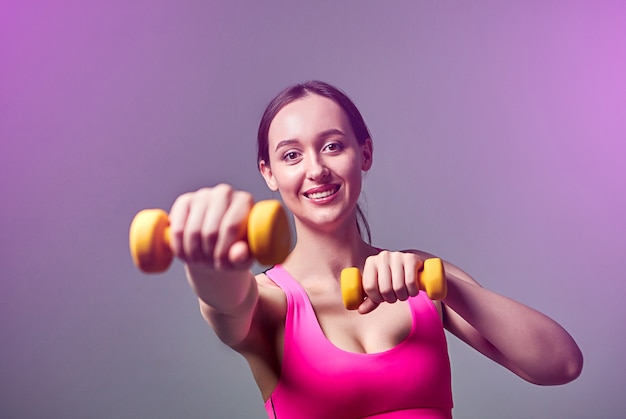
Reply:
x=316 y=168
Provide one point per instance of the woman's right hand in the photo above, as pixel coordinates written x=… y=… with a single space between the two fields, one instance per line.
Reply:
x=208 y=229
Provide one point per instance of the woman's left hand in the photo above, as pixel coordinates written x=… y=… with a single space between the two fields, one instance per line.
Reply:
x=389 y=277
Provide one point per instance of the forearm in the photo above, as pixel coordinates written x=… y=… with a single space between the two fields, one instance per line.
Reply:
x=522 y=339
x=227 y=301
x=223 y=290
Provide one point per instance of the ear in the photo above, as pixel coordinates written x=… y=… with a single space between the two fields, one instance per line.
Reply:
x=367 y=154
x=267 y=174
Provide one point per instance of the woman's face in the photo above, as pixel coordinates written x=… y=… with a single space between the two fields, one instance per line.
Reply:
x=315 y=161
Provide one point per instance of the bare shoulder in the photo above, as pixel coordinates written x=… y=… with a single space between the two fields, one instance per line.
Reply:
x=268 y=318
x=271 y=297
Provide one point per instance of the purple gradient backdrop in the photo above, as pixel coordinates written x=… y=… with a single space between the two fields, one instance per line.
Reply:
x=499 y=135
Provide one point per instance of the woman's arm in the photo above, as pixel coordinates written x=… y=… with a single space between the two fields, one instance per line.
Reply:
x=525 y=341
x=518 y=337
x=206 y=234
x=227 y=302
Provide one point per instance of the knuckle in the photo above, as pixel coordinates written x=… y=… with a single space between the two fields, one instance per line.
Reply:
x=399 y=288
x=193 y=248
x=181 y=202
x=221 y=261
x=409 y=258
x=176 y=238
x=231 y=230
x=209 y=237
x=370 y=288
x=176 y=232
x=401 y=293
x=184 y=198
x=243 y=196
x=203 y=192
x=223 y=188
x=374 y=295
x=389 y=296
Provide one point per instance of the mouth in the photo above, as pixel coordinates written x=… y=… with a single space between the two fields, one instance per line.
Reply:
x=322 y=192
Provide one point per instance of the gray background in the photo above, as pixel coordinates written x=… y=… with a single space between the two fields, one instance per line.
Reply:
x=499 y=144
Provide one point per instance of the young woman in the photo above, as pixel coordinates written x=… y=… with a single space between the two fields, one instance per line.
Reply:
x=311 y=357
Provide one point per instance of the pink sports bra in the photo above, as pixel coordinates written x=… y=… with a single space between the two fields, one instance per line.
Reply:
x=319 y=380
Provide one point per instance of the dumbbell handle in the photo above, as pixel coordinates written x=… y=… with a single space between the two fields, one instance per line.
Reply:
x=268 y=236
x=431 y=278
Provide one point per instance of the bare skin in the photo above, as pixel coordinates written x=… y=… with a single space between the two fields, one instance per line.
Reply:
x=316 y=164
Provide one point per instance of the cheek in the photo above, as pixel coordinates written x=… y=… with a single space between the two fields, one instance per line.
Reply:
x=354 y=171
x=287 y=180
x=357 y=183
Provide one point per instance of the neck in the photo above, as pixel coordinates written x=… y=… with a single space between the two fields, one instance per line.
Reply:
x=320 y=253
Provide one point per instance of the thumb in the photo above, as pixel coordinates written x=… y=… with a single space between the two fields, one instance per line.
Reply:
x=367 y=306
x=239 y=255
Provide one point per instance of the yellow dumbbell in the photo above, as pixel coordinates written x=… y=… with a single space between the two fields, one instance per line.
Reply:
x=268 y=236
x=431 y=277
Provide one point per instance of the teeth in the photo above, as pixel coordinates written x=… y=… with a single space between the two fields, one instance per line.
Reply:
x=320 y=195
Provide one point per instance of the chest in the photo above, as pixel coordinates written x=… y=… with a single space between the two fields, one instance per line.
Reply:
x=339 y=363
x=377 y=331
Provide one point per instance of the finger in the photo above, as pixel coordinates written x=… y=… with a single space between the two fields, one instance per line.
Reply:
x=204 y=225
x=399 y=270
x=412 y=275
x=178 y=217
x=186 y=224
x=194 y=229
x=232 y=227
x=386 y=268
x=385 y=284
x=370 y=281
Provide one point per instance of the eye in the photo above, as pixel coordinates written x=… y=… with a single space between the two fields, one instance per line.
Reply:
x=333 y=147
x=290 y=156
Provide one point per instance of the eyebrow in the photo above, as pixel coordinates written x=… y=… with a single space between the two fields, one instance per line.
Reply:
x=322 y=135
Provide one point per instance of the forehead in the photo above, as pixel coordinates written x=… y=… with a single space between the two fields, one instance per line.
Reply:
x=307 y=117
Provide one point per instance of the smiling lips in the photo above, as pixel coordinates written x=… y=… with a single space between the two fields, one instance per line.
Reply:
x=321 y=192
